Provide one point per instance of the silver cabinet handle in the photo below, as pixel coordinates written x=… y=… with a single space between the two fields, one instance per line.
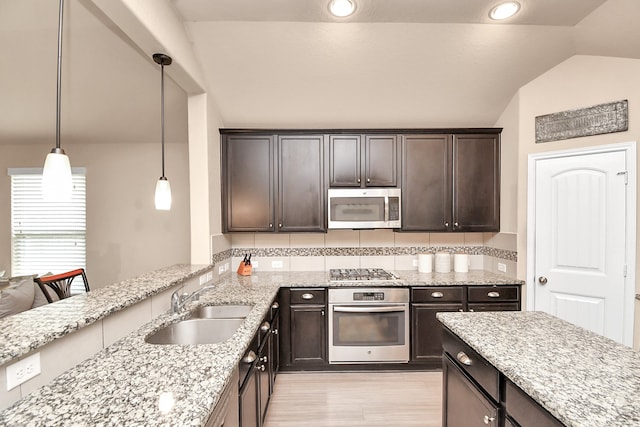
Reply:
x=250 y=357
x=456 y=224
x=261 y=368
x=464 y=359
x=274 y=332
x=265 y=327
x=307 y=296
x=270 y=224
x=487 y=419
x=542 y=280
x=280 y=225
x=358 y=180
x=322 y=312
x=368 y=179
x=446 y=224
x=275 y=305
x=437 y=294
x=493 y=294
x=264 y=359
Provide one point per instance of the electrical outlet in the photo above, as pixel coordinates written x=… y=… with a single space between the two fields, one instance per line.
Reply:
x=415 y=262
x=209 y=276
x=254 y=264
x=221 y=270
x=502 y=267
x=276 y=264
x=203 y=279
x=23 y=370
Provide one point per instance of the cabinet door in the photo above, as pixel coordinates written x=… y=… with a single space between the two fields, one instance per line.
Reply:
x=308 y=334
x=463 y=404
x=501 y=306
x=476 y=181
x=380 y=161
x=426 y=331
x=248 y=189
x=426 y=183
x=263 y=380
x=249 y=412
x=344 y=160
x=525 y=411
x=301 y=183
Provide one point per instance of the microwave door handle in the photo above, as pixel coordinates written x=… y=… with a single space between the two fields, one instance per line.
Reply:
x=382 y=309
x=386 y=208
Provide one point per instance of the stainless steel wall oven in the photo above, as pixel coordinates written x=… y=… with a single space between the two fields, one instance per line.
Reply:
x=369 y=325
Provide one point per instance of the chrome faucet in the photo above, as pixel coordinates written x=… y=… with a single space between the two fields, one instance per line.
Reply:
x=179 y=301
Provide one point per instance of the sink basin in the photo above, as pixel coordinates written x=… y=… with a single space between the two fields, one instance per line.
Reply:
x=222 y=312
x=196 y=331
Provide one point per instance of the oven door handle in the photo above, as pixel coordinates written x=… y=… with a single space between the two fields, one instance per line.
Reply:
x=369 y=309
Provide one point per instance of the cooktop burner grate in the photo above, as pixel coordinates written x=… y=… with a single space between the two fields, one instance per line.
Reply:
x=351 y=274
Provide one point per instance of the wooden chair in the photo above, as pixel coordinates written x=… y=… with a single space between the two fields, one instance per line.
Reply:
x=61 y=283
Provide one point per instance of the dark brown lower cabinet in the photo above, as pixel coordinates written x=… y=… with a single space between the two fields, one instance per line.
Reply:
x=476 y=394
x=248 y=400
x=524 y=411
x=303 y=329
x=464 y=404
x=426 y=331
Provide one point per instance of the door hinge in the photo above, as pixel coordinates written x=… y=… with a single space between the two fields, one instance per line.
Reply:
x=626 y=177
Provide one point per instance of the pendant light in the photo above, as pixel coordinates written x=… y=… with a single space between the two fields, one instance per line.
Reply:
x=163 y=188
x=56 y=174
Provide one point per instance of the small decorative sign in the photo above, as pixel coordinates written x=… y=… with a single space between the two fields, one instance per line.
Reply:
x=595 y=120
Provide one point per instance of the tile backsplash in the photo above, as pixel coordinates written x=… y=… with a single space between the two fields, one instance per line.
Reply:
x=361 y=249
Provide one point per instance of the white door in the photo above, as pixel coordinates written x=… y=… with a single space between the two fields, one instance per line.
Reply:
x=580 y=240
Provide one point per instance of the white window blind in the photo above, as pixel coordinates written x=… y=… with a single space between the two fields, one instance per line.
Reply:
x=46 y=236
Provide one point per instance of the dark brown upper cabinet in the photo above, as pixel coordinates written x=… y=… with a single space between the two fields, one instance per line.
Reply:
x=273 y=182
x=301 y=183
x=248 y=190
x=451 y=182
x=363 y=160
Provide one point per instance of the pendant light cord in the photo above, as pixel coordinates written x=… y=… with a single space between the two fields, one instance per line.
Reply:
x=59 y=86
x=162 y=113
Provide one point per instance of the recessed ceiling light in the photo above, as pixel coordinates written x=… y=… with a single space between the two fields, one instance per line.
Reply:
x=504 y=10
x=342 y=8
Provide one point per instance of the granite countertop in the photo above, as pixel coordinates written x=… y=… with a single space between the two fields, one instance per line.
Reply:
x=583 y=379
x=122 y=384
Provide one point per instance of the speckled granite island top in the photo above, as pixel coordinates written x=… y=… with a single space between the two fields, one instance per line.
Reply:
x=122 y=384
x=583 y=379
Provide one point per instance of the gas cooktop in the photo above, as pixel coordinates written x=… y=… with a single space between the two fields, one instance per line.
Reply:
x=353 y=274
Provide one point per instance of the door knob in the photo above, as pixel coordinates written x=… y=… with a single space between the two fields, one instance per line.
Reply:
x=542 y=280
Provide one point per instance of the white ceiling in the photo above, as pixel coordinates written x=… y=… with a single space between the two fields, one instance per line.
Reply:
x=285 y=63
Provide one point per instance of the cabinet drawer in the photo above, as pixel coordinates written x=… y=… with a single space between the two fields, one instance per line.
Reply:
x=525 y=411
x=444 y=294
x=493 y=293
x=499 y=306
x=472 y=364
x=308 y=296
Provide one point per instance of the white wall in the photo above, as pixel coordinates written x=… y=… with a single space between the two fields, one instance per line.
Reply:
x=578 y=82
x=126 y=236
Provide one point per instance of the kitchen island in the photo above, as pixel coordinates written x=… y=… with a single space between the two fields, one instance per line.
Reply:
x=125 y=383
x=582 y=379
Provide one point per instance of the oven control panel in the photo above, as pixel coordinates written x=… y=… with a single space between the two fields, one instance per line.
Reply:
x=368 y=296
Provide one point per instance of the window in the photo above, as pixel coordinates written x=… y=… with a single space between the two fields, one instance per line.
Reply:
x=46 y=236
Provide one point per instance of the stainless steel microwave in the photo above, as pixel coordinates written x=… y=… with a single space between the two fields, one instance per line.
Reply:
x=362 y=208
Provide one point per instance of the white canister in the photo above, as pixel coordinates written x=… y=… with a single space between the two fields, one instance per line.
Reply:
x=461 y=263
x=443 y=262
x=425 y=263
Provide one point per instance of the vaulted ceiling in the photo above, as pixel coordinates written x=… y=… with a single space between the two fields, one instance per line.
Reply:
x=286 y=63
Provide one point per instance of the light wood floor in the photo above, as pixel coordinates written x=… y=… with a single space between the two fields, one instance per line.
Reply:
x=363 y=399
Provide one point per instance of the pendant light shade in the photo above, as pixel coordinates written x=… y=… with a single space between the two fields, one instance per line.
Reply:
x=163 y=194
x=163 y=188
x=56 y=175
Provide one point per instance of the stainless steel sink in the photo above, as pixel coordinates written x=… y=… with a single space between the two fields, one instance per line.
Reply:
x=222 y=312
x=196 y=331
